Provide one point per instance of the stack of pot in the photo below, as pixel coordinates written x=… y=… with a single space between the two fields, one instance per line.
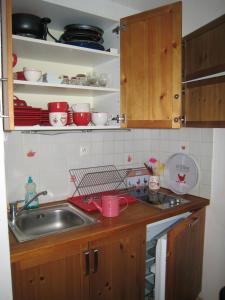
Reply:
x=83 y=36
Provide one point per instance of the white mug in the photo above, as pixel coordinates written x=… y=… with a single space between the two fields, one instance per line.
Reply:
x=58 y=119
x=81 y=107
x=154 y=183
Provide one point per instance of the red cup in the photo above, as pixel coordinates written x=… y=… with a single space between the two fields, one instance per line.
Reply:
x=81 y=118
x=58 y=106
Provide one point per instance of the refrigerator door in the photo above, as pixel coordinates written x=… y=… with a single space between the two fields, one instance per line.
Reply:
x=160 y=268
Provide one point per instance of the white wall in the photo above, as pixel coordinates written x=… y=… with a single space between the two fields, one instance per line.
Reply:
x=214 y=255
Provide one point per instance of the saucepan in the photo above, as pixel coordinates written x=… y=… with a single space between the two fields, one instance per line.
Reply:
x=31 y=26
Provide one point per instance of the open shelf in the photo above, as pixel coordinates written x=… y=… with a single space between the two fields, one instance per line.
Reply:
x=65 y=128
x=56 y=52
x=49 y=88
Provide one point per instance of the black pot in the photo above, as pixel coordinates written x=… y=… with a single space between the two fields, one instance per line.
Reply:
x=30 y=25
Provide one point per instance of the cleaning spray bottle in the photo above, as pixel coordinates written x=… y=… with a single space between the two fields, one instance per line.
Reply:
x=30 y=188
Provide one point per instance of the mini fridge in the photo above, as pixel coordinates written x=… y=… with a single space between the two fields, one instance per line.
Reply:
x=156 y=251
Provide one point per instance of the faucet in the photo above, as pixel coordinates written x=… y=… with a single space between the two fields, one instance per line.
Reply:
x=13 y=206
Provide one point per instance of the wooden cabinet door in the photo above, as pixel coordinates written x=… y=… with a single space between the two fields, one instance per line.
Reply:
x=204 y=102
x=57 y=275
x=151 y=68
x=204 y=50
x=185 y=257
x=119 y=272
x=7 y=73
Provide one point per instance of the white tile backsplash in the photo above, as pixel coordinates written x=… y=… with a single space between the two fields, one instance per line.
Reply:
x=56 y=154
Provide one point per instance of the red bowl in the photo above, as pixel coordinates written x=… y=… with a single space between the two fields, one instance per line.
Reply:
x=81 y=118
x=58 y=106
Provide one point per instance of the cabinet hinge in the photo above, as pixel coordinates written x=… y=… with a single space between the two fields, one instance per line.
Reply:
x=180 y=119
x=119 y=28
x=120 y=118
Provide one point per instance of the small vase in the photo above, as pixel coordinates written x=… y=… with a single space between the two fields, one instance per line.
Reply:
x=154 y=183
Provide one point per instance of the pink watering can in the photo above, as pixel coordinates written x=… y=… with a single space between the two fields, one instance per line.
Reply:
x=110 y=205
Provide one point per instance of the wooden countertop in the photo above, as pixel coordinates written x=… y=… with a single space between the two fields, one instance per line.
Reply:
x=136 y=214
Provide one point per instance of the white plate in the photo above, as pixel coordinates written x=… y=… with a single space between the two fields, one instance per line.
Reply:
x=181 y=173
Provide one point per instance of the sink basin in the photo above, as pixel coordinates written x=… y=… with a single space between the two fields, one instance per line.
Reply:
x=35 y=223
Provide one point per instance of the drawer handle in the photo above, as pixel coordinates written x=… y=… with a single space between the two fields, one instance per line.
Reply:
x=95 y=253
x=87 y=262
x=196 y=220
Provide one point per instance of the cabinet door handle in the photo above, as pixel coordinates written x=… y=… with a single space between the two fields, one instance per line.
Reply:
x=195 y=221
x=95 y=253
x=3 y=79
x=87 y=262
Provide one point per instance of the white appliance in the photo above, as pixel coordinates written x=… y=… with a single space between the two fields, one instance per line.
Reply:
x=156 y=249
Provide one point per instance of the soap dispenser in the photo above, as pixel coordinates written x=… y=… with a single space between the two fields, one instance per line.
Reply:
x=30 y=188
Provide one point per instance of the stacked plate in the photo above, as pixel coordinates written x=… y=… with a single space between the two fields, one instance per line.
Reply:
x=44 y=117
x=27 y=116
x=83 y=36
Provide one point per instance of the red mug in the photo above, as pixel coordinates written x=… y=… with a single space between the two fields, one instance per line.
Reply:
x=81 y=118
x=58 y=106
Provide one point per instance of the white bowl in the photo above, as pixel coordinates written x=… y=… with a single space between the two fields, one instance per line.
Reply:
x=81 y=107
x=32 y=74
x=99 y=118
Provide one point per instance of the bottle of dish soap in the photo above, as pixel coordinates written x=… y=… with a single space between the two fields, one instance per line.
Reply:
x=30 y=188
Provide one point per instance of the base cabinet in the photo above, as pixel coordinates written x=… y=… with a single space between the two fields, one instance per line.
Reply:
x=185 y=257
x=108 y=268
x=55 y=275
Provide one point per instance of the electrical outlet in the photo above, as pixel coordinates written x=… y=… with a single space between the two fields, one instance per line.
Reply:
x=84 y=150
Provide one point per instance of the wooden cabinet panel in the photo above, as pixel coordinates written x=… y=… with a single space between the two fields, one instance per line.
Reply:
x=7 y=73
x=51 y=276
x=204 y=103
x=151 y=68
x=185 y=257
x=204 y=50
x=121 y=266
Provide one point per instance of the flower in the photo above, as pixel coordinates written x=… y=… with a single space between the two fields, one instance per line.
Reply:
x=152 y=160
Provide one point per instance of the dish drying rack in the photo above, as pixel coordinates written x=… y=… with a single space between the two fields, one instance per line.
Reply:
x=98 y=179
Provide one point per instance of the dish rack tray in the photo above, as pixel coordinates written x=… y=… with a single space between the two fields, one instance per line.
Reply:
x=98 y=179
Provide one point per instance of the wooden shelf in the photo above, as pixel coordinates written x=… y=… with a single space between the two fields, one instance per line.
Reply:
x=55 y=52
x=65 y=128
x=48 y=88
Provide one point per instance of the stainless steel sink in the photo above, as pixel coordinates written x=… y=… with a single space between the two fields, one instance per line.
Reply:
x=35 y=223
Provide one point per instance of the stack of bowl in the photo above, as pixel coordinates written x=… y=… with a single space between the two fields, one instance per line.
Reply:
x=81 y=114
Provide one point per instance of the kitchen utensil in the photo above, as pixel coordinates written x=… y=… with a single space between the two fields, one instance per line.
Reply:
x=154 y=183
x=32 y=74
x=99 y=118
x=109 y=205
x=14 y=58
x=19 y=75
x=181 y=173
x=81 y=36
x=92 y=79
x=83 y=201
x=58 y=119
x=86 y=44
x=103 y=79
x=31 y=25
x=84 y=28
x=81 y=118
x=81 y=107
x=58 y=107
x=18 y=102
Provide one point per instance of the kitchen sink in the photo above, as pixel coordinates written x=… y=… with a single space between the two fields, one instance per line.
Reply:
x=34 y=223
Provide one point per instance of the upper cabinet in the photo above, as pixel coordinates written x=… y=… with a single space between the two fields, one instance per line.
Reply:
x=151 y=68
x=146 y=94
x=204 y=50
x=204 y=55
